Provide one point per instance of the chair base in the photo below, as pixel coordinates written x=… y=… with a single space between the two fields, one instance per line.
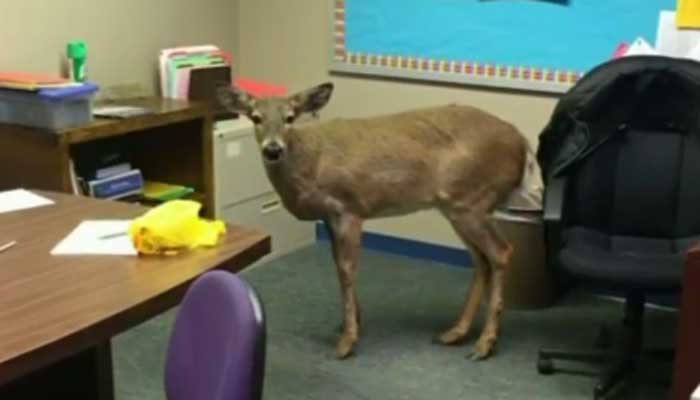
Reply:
x=620 y=362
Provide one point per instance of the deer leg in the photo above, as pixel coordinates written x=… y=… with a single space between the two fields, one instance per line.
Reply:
x=498 y=252
x=459 y=331
x=335 y=252
x=347 y=237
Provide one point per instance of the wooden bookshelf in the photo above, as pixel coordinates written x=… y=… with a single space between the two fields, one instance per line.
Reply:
x=174 y=145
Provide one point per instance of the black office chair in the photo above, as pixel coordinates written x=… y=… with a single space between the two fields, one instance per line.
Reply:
x=621 y=163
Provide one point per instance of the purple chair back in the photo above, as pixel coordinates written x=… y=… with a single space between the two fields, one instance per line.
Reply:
x=217 y=348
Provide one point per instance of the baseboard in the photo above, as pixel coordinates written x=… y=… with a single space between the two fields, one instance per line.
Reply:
x=408 y=248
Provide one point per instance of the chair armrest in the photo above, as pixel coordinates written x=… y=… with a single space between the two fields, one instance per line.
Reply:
x=552 y=215
x=554 y=201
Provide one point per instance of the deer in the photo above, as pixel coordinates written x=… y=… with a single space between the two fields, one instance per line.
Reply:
x=457 y=159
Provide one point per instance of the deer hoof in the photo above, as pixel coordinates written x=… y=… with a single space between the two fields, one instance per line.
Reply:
x=450 y=338
x=345 y=346
x=483 y=349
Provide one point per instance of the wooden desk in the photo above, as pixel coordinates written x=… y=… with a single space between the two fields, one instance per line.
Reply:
x=57 y=314
x=686 y=370
x=174 y=145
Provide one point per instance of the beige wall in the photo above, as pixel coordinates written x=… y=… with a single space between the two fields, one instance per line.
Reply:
x=123 y=36
x=286 y=42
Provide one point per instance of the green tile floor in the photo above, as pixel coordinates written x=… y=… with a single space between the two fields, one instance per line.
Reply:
x=405 y=302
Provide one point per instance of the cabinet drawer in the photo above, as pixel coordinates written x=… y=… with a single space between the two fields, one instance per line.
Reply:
x=239 y=171
x=267 y=214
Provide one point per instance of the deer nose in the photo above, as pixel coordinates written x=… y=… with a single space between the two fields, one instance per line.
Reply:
x=273 y=151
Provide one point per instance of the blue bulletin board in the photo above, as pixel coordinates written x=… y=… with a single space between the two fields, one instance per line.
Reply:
x=542 y=45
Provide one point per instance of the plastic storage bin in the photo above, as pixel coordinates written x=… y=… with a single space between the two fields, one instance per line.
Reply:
x=53 y=109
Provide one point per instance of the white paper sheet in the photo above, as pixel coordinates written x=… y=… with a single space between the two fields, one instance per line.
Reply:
x=20 y=199
x=640 y=47
x=694 y=54
x=696 y=394
x=674 y=42
x=105 y=237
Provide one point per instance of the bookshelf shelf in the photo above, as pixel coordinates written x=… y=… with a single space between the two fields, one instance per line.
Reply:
x=173 y=144
x=200 y=197
x=167 y=112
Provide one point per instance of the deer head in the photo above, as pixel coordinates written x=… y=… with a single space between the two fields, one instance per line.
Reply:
x=274 y=116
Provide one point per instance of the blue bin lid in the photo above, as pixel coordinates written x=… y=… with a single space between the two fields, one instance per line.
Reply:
x=68 y=93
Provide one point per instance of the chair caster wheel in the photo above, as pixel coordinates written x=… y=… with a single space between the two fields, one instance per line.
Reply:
x=598 y=393
x=545 y=366
x=604 y=340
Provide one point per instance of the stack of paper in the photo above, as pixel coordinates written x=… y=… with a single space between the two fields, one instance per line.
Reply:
x=161 y=191
x=674 y=42
x=672 y=37
x=176 y=65
x=33 y=82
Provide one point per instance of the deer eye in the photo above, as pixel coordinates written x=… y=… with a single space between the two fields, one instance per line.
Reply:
x=256 y=118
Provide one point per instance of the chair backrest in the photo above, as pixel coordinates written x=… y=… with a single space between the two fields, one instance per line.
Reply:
x=643 y=182
x=217 y=348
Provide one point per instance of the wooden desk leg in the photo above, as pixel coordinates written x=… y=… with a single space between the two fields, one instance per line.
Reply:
x=686 y=369
x=104 y=379
x=87 y=375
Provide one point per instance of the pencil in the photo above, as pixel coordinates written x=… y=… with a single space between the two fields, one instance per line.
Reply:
x=113 y=235
x=7 y=246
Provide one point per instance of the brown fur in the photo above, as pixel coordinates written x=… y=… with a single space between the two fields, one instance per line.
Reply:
x=458 y=159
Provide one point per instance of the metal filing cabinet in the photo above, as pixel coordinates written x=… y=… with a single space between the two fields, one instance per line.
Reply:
x=243 y=194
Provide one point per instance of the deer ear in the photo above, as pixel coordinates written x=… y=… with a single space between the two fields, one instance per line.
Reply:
x=235 y=100
x=311 y=100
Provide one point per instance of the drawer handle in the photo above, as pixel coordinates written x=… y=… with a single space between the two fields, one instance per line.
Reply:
x=271 y=206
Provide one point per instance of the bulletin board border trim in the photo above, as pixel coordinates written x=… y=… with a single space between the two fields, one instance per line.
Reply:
x=449 y=71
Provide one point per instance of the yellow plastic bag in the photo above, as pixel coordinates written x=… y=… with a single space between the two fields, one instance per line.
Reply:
x=172 y=227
